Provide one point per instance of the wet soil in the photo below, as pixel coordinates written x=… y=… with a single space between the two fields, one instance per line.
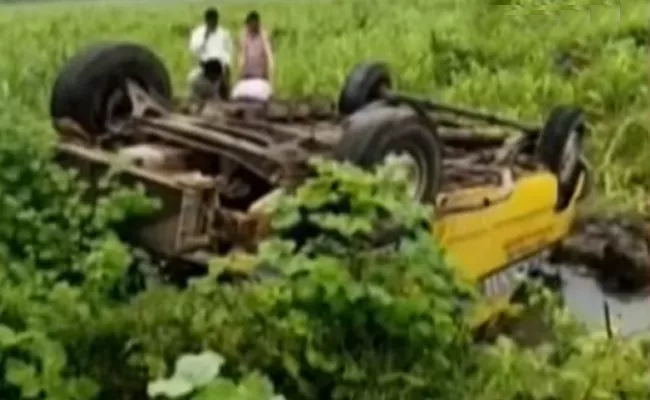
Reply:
x=615 y=249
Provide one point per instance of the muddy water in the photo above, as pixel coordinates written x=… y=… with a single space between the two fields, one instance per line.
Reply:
x=629 y=313
x=615 y=251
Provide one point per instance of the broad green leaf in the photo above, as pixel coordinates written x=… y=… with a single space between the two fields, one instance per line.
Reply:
x=8 y=336
x=255 y=387
x=172 y=388
x=198 y=369
x=25 y=377
x=219 y=389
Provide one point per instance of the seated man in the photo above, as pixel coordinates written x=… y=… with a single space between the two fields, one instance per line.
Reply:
x=255 y=61
x=207 y=82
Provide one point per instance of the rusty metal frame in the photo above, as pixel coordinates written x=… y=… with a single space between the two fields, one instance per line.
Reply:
x=275 y=149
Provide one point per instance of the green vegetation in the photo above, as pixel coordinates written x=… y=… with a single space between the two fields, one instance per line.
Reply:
x=332 y=319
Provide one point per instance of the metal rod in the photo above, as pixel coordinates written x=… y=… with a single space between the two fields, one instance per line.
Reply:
x=434 y=106
x=218 y=139
x=230 y=129
x=608 y=320
x=258 y=169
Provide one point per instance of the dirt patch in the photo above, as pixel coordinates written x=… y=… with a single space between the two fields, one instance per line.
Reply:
x=616 y=249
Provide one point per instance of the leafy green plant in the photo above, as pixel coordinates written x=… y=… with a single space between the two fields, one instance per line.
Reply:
x=343 y=315
x=61 y=267
x=33 y=366
x=339 y=313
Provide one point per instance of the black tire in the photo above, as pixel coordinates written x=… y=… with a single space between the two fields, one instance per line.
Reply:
x=362 y=86
x=374 y=132
x=86 y=81
x=559 y=149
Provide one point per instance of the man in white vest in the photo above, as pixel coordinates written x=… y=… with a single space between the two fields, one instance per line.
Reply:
x=212 y=47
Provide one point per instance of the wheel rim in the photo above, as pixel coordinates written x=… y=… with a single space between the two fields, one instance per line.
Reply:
x=118 y=105
x=409 y=160
x=115 y=109
x=570 y=157
x=115 y=106
x=378 y=90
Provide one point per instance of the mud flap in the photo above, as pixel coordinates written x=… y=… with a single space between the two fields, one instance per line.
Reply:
x=505 y=294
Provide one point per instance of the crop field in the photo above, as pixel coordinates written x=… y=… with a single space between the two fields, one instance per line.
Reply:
x=78 y=323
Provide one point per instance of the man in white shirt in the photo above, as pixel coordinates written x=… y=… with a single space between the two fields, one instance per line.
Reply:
x=212 y=46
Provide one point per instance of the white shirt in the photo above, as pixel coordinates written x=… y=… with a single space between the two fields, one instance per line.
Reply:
x=217 y=45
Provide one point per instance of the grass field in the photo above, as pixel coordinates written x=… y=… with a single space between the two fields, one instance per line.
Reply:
x=511 y=59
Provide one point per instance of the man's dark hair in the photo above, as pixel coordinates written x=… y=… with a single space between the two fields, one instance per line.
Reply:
x=212 y=69
x=253 y=16
x=211 y=14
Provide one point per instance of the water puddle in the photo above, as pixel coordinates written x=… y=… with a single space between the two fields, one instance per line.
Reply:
x=629 y=314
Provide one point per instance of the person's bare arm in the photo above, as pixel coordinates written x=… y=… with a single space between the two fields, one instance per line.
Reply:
x=269 y=54
x=241 y=50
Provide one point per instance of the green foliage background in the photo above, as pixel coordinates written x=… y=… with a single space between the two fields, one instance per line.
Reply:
x=336 y=321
